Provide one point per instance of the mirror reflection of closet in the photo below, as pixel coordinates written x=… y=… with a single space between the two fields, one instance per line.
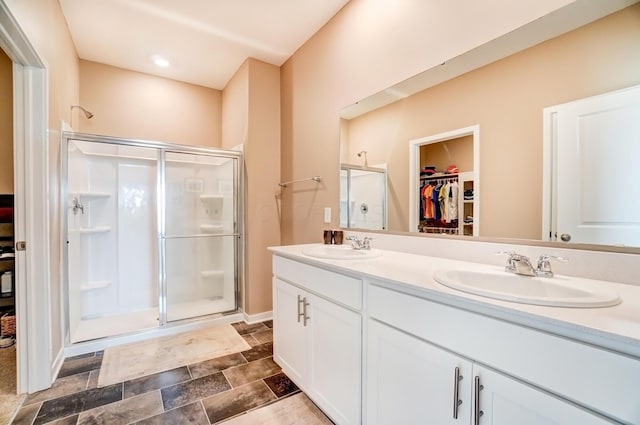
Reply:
x=445 y=199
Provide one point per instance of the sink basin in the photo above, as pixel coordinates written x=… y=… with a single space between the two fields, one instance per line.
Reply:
x=340 y=252
x=553 y=292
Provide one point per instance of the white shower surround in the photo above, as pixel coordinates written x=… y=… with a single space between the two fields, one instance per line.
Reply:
x=113 y=251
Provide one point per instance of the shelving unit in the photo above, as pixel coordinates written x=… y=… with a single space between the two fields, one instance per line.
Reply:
x=7 y=263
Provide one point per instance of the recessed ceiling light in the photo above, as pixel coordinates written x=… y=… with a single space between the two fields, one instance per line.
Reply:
x=160 y=61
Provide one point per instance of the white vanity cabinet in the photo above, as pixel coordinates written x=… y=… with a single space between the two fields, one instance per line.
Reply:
x=410 y=381
x=507 y=401
x=509 y=374
x=318 y=335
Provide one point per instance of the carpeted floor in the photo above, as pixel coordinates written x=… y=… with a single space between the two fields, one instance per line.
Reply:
x=9 y=400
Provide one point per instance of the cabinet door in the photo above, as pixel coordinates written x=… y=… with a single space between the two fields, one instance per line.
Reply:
x=335 y=349
x=505 y=401
x=289 y=333
x=409 y=381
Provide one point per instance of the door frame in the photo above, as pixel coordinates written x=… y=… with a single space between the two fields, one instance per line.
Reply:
x=31 y=215
x=414 y=172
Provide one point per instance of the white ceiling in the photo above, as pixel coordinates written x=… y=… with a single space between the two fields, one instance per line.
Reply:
x=206 y=41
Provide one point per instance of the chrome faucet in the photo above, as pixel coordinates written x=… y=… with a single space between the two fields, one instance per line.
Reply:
x=356 y=243
x=521 y=264
x=77 y=206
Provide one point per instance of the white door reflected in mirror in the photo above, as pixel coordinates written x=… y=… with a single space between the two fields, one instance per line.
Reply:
x=594 y=197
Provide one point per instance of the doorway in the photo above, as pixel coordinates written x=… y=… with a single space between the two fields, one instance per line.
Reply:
x=432 y=171
x=31 y=183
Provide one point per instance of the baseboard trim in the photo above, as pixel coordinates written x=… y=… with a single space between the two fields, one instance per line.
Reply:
x=57 y=365
x=256 y=318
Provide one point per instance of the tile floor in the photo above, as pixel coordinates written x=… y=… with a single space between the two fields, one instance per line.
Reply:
x=203 y=393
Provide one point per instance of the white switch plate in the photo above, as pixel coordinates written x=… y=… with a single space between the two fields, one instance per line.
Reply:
x=327 y=214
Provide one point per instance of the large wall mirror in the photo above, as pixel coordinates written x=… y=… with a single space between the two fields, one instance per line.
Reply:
x=585 y=49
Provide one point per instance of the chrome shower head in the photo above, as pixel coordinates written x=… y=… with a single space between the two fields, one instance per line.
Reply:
x=87 y=114
x=361 y=153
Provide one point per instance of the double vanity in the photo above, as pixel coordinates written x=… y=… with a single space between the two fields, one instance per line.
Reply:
x=385 y=337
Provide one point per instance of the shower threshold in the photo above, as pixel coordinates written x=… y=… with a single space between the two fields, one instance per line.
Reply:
x=121 y=324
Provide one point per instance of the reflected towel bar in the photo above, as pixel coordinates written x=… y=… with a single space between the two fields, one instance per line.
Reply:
x=314 y=178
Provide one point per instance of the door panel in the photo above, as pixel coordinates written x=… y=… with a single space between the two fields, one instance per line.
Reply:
x=598 y=195
x=410 y=381
x=200 y=238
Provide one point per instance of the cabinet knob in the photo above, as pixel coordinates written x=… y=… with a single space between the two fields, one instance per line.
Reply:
x=565 y=237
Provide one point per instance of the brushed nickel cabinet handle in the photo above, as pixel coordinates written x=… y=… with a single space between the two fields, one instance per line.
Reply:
x=476 y=401
x=304 y=311
x=300 y=303
x=456 y=392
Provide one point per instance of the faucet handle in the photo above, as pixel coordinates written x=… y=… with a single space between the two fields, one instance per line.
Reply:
x=510 y=267
x=544 y=265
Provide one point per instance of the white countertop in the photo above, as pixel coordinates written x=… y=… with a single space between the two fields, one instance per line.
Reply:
x=616 y=328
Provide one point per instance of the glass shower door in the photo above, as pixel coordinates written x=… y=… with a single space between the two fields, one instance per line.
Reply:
x=200 y=246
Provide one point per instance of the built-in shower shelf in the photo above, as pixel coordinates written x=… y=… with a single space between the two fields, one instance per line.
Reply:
x=211 y=228
x=212 y=273
x=94 y=230
x=210 y=197
x=95 y=284
x=91 y=196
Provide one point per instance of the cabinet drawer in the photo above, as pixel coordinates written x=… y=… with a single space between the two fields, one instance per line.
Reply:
x=343 y=289
x=602 y=380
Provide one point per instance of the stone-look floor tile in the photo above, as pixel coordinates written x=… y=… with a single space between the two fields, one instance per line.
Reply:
x=93 y=379
x=281 y=385
x=61 y=387
x=268 y=323
x=26 y=414
x=75 y=403
x=253 y=371
x=80 y=356
x=69 y=420
x=191 y=414
x=216 y=365
x=250 y=340
x=125 y=411
x=297 y=409
x=156 y=381
x=74 y=367
x=244 y=328
x=259 y=352
x=231 y=403
x=263 y=336
x=188 y=392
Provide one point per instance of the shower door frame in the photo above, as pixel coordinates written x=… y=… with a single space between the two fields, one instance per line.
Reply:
x=161 y=148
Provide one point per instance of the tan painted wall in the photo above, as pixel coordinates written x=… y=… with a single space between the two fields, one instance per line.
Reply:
x=506 y=98
x=458 y=152
x=6 y=123
x=365 y=49
x=134 y=105
x=251 y=116
x=45 y=27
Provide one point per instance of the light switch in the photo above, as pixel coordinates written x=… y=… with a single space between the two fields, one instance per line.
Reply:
x=327 y=214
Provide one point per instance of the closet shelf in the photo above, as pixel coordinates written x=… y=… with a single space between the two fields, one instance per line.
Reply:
x=95 y=284
x=93 y=230
x=212 y=273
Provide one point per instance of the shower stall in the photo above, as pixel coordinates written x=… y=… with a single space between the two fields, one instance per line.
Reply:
x=363 y=197
x=153 y=234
